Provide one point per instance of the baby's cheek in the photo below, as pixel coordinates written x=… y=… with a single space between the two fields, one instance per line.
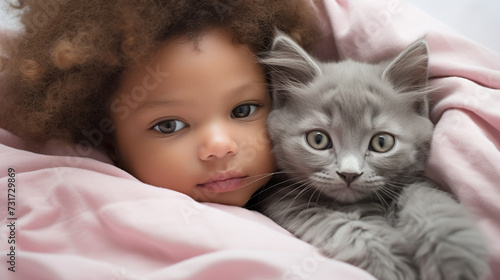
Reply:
x=156 y=167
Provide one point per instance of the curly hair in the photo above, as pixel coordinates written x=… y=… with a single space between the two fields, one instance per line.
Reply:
x=68 y=62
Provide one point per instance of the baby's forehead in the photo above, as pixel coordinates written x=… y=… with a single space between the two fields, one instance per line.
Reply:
x=180 y=73
x=205 y=54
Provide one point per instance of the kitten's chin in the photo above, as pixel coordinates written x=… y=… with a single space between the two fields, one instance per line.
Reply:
x=345 y=194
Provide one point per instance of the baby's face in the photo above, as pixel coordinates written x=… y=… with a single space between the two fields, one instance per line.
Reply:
x=194 y=120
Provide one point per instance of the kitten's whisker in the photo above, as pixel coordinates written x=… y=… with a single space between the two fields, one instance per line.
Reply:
x=273 y=186
x=292 y=163
x=312 y=195
x=381 y=198
x=259 y=177
x=262 y=176
x=396 y=185
x=410 y=178
x=390 y=193
x=305 y=187
x=296 y=185
x=304 y=183
x=281 y=191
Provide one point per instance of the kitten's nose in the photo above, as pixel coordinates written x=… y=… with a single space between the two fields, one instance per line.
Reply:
x=349 y=177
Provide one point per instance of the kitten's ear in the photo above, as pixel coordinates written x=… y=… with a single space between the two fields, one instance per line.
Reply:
x=410 y=69
x=409 y=73
x=289 y=66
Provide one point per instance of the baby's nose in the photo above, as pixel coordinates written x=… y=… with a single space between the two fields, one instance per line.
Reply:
x=218 y=142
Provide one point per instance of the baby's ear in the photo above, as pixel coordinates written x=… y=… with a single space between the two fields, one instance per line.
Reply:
x=289 y=67
x=409 y=72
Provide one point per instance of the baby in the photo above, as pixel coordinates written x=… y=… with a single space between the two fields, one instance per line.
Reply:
x=171 y=89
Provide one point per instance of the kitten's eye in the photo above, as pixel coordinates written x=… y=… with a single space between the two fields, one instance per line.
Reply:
x=382 y=142
x=243 y=111
x=318 y=140
x=169 y=126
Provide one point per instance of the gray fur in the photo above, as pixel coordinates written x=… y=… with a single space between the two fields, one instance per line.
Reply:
x=372 y=209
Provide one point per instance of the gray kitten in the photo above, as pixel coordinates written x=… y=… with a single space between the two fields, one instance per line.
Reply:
x=351 y=140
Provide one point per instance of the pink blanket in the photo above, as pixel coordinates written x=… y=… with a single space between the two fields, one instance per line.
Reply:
x=76 y=216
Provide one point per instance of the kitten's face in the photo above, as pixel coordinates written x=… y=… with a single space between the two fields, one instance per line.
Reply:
x=348 y=131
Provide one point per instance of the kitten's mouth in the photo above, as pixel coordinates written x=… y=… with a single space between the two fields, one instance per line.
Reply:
x=345 y=193
x=340 y=190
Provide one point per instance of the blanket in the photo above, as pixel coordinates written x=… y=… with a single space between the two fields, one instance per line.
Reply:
x=66 y=212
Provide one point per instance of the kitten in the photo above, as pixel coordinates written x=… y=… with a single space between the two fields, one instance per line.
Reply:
x=351 y=140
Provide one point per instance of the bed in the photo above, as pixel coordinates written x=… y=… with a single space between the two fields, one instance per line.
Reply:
x=77 y=216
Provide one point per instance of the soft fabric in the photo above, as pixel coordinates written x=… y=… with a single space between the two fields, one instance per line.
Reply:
x=80 y=217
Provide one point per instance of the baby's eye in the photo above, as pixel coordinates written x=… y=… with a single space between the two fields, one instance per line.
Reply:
x=318 y=140
x=169 y=126
x=244 y=111
x=382 y=142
